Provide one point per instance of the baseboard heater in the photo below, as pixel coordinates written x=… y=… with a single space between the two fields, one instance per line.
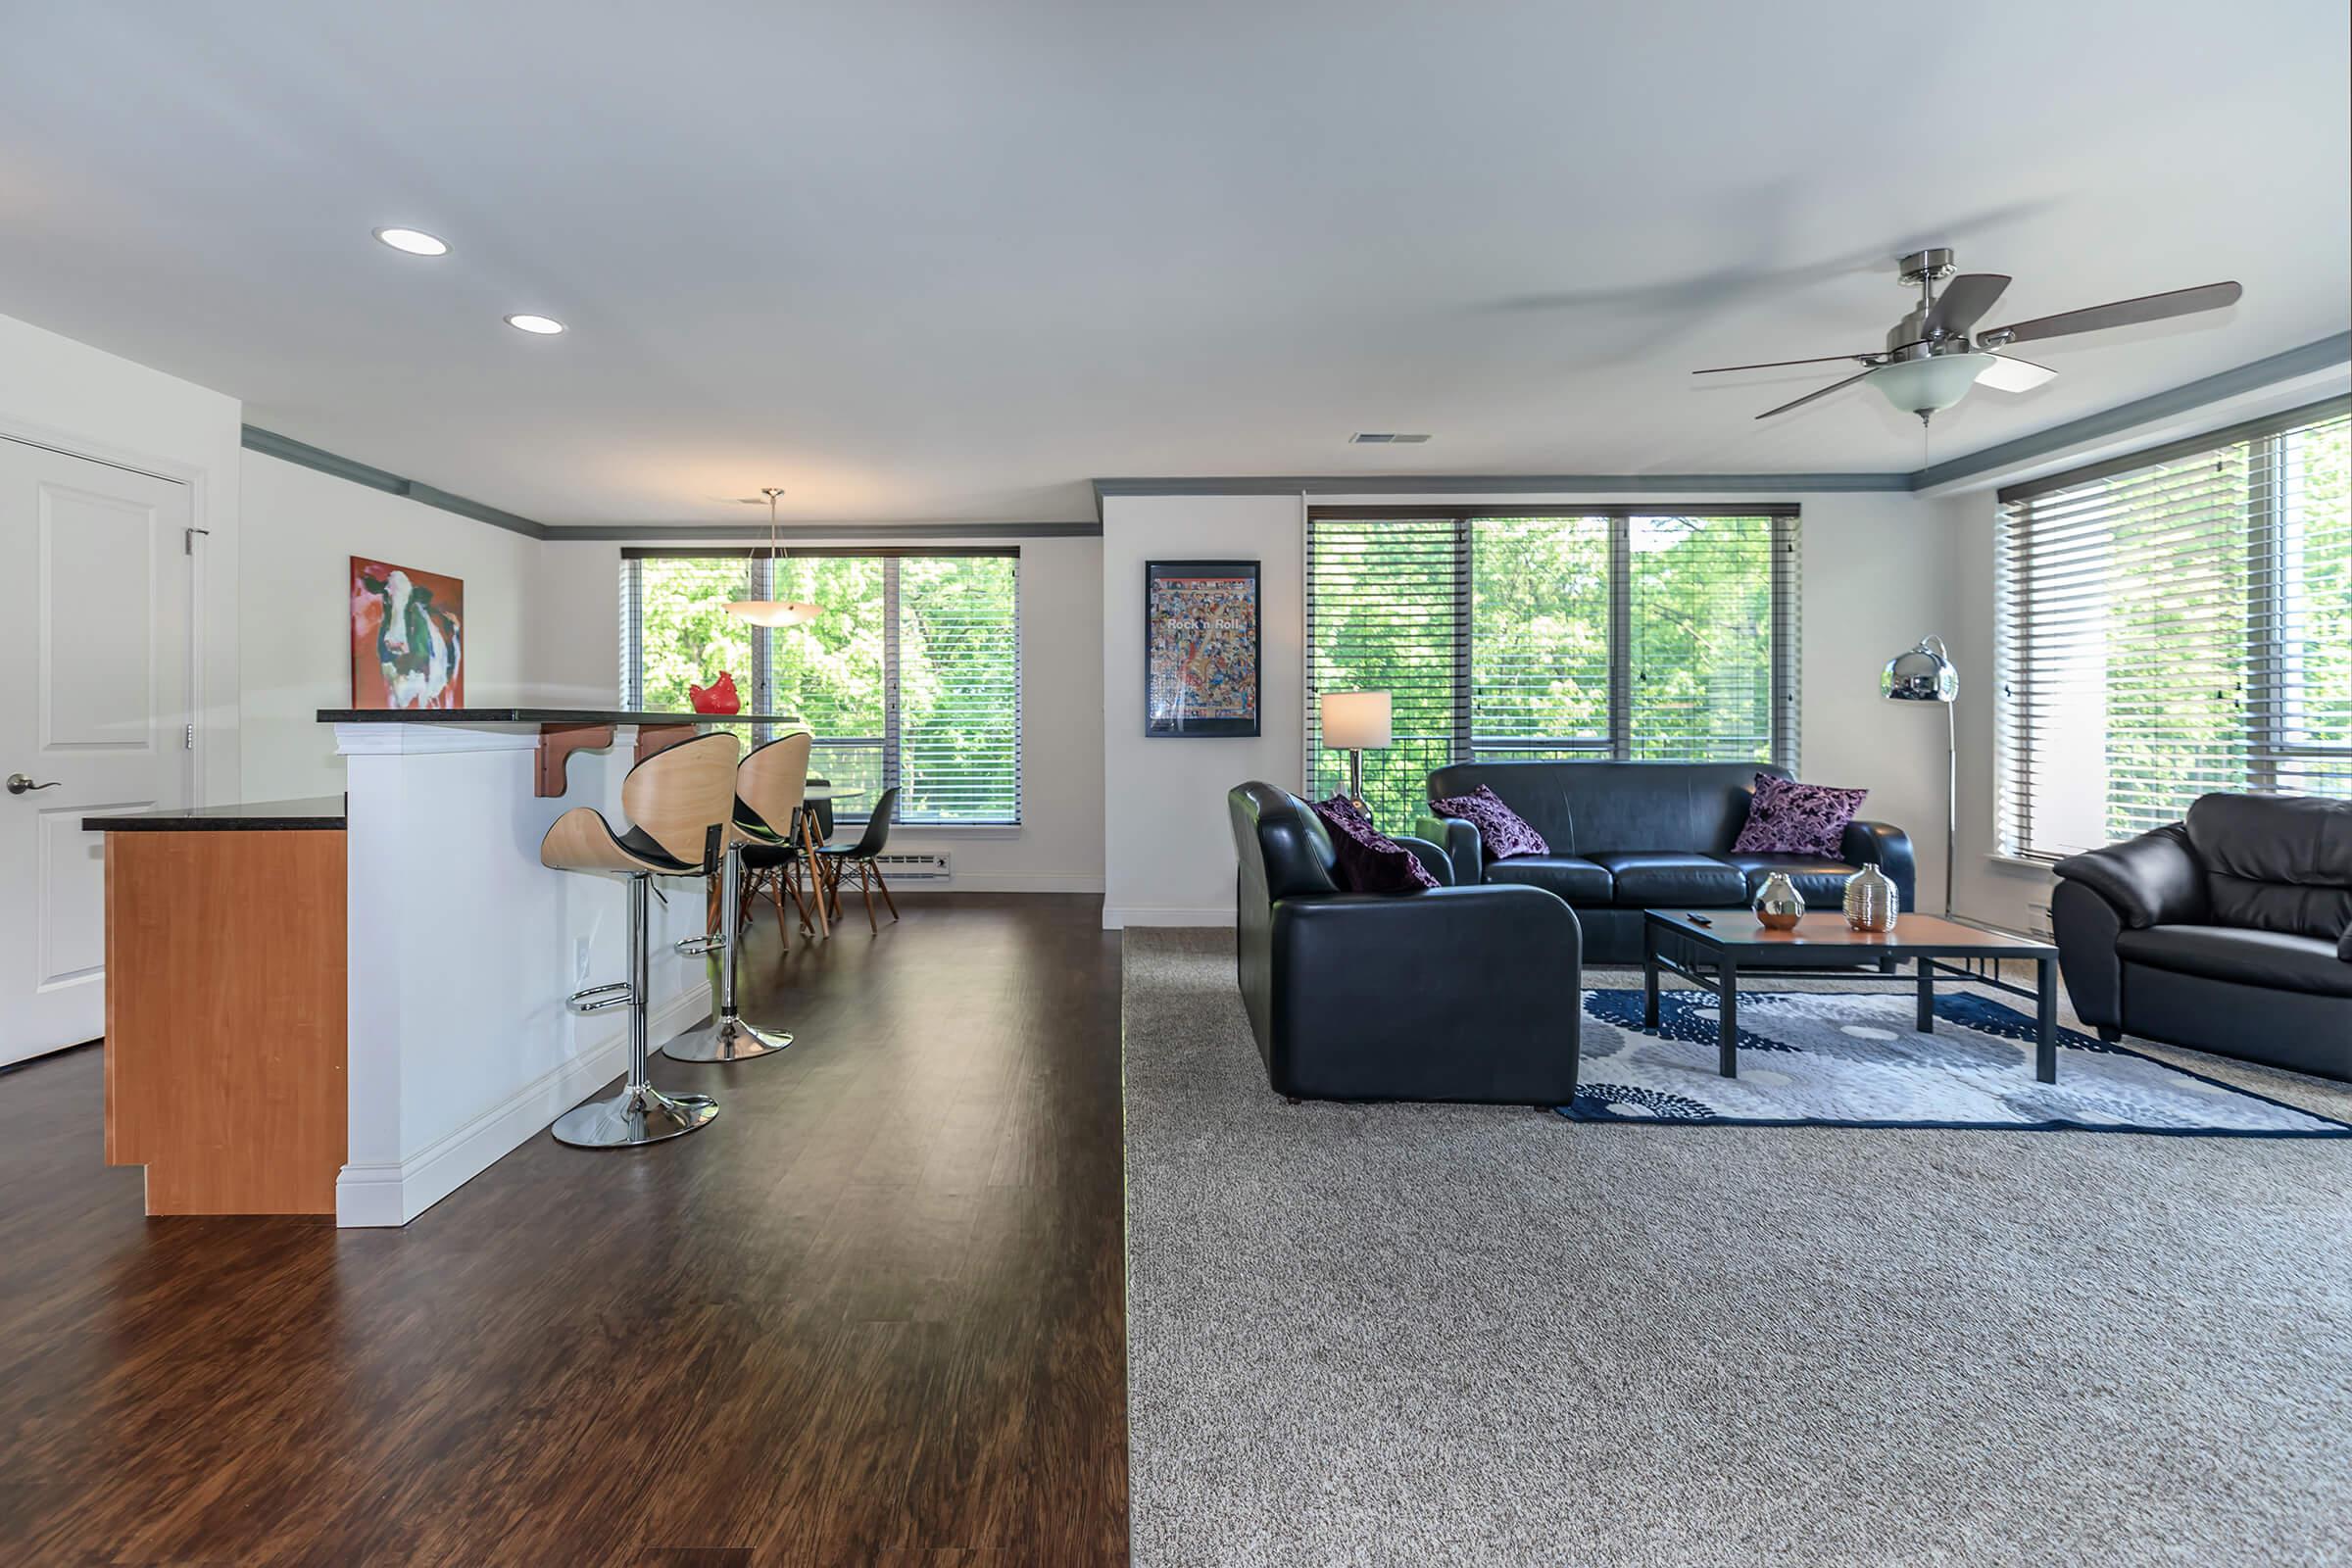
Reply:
x=931 y=868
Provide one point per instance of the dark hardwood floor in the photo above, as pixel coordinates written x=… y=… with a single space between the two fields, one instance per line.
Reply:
x=873 y=1314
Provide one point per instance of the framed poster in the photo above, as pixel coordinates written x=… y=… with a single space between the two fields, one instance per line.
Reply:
x=1200 y=648
x=407 y=637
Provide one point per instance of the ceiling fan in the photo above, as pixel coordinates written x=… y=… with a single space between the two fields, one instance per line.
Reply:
x=1930 y=361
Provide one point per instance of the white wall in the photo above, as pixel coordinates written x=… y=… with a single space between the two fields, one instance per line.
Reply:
x=301 y=529
x=1875 y=576
x=69 y=395
x=1168 y=849
x=1058 y=845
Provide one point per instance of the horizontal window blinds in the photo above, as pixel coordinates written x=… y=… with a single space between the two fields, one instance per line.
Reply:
x=910 y=676
x=1542 y=606
x=959 y=684
x=676 y=622
x=2174 y=627
x=831 y=671
x=1604 y=632
x=1710 y=625
x=1387 y=609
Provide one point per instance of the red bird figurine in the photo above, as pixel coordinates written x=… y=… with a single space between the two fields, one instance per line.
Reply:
x=717 y=697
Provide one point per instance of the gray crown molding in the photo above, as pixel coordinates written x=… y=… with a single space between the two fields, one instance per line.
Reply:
x=823 y=532
x=288 y=450
x=2327 y=352
x=1395 y=484
x=2253 y=376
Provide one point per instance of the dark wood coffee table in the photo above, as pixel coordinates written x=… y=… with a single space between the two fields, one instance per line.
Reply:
x=1731 y=944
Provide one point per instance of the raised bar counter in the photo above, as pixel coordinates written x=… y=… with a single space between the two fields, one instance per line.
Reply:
x=562 y=730
x=539 y=716
x=352 y=1004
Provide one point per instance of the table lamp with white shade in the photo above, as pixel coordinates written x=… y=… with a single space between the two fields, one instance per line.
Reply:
x=1353 y=722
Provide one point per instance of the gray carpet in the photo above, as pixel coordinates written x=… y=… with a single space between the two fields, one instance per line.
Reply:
x=1424 y=1335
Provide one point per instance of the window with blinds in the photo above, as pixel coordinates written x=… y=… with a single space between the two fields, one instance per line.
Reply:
x=910 y=678
x=2172 y=623
x=1387 y=609
x=1603 y=632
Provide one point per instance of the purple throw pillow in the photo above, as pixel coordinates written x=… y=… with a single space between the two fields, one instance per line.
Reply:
x=1367 y=860
x=1501 y=831
x=1792 y=819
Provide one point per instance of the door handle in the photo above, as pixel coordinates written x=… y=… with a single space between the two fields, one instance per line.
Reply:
x=19 y=783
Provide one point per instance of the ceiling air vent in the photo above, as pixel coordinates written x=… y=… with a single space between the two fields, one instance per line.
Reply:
x=1384 y=438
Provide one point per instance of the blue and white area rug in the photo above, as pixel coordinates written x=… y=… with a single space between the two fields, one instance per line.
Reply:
x=1815 y=1059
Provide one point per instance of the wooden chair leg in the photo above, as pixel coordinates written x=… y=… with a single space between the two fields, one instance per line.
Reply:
x=791 y=876
x=865 y=881
x=883 y=883
x=833 y=887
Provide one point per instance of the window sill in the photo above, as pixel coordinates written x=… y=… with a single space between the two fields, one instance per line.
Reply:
x=2017 y=862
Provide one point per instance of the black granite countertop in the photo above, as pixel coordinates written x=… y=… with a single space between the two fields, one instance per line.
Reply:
x=317 y=812
x=537 y=715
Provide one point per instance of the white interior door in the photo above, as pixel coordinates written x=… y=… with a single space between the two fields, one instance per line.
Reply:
x=94 y=709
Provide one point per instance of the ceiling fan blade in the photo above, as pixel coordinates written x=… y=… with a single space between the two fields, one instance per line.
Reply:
x=1774 y=365
x=1964 y=302
x=2122 y=313
x=1821 y=393
x=2006 y=374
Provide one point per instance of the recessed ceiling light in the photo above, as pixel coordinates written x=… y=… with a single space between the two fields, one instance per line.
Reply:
x=415 y=241
x=544 y=326
x=1385 y=438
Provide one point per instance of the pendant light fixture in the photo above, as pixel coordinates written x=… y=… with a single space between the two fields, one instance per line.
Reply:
x=773 y=612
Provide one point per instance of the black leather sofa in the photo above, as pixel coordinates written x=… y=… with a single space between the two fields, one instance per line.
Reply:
x=1445 y=994
x=2228 y=932
x=1631 y=836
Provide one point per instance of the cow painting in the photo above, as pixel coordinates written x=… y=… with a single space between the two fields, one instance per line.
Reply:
x=407 y=637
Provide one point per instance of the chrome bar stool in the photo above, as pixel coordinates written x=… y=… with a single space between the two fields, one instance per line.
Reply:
x=769 y=784
x=678 y=802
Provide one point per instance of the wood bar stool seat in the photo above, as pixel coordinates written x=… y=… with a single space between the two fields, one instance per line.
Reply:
x=678 y=802
x=769 y=785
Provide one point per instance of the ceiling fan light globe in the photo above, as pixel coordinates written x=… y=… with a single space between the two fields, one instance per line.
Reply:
x=1929 y=385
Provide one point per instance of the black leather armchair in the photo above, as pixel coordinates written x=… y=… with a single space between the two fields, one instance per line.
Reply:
x=2230 y=932
x=1453 y=993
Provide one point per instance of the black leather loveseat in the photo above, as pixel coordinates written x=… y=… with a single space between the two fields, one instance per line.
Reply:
x=2230 y=932
x=1448 y=994
x=1631 y=836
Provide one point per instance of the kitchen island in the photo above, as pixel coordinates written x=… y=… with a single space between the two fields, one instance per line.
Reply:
x=390 y=982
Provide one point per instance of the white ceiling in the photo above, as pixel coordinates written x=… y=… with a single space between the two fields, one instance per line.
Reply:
x=949 y=261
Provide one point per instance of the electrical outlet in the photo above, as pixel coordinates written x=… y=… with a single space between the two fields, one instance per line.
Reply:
x=579 y=958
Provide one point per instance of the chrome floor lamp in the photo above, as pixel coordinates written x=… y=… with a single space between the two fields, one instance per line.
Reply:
x=1924 y=674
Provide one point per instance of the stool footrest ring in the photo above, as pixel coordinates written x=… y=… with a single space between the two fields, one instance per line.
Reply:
x=596 y=999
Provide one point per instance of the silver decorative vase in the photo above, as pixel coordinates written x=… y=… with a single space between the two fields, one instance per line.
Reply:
x=1870 y=900
x=1779 y=905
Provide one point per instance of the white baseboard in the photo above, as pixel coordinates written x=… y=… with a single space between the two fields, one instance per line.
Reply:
x=394 y=1195
x=1011 y=882
x=1119 y=917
